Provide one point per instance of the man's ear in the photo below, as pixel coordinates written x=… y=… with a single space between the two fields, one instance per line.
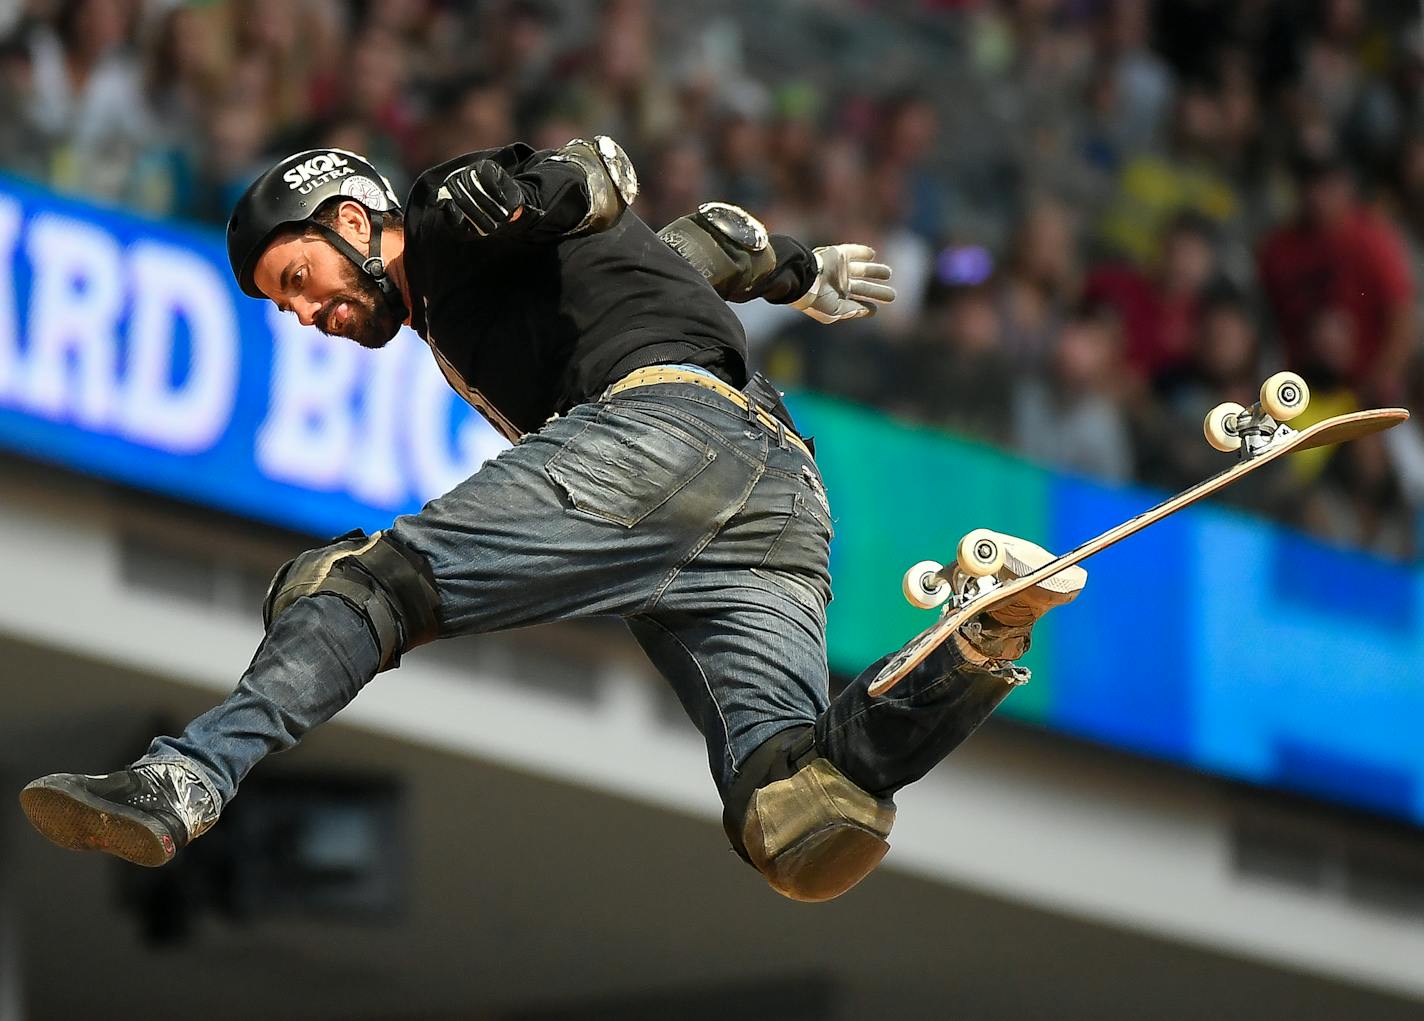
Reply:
x=354 y=223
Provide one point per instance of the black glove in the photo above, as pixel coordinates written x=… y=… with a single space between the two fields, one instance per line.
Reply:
x=484 y=197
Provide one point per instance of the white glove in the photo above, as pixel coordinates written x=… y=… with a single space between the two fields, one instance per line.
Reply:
x=845 y=286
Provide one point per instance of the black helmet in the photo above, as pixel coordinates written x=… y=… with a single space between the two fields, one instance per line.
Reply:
x=291 y=192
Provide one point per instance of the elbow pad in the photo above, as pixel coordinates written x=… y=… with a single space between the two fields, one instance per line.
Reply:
x=608 y=176
x=726 y=244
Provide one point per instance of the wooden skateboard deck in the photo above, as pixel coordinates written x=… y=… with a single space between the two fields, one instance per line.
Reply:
x=1339 y=429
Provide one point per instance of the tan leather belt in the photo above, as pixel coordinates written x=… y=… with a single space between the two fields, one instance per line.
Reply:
x=652 y=375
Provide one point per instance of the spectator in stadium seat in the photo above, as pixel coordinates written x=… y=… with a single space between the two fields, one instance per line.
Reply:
x=24 y=145
x=894 y=238
x=740 y=162
x=839 y=188
x=1336 y=79
x=908 y=127
x=184 y=70
x=1224 y=365
x=521 y=48
x=278 y=66
x=1407 y=192
x=956 y=371
x=375 y=90
x=616 y=86
x=1225 y=362
x=1072 y=418
x=794 y=140
x=679 y=180
x=87 y=97
x=1039 y=284
x=1337 y=253
x=1188 y=174
x=471 y=112
x=235 y=138
x=1140 y=78
x=1243 y=140
x=1158 y=309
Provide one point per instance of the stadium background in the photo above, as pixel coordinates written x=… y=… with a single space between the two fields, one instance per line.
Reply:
x=1207 y=803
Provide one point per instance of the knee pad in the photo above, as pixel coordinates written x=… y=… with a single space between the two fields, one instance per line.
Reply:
x=378 y=576
x=800 y=822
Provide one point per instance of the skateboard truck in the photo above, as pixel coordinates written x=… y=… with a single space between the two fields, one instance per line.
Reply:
x=1254 y=430
x=972 y=574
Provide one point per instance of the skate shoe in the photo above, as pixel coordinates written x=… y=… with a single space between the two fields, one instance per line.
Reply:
x=1002 y=633
x=142 y=814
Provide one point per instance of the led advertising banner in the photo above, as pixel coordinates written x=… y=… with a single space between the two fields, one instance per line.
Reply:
x=127 y=350
x=1211 y=640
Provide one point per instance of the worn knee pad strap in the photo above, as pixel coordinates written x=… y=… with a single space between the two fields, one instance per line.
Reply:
x=384 y=580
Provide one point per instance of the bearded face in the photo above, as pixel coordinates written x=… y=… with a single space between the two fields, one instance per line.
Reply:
x=306 y=275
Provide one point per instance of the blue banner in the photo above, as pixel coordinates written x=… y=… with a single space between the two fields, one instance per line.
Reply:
x=127 y=350
x=1213 y=640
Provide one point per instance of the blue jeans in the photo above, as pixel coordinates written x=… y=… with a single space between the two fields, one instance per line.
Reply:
x=672 y=508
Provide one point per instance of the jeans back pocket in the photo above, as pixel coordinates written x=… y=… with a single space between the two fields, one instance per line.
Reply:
x=623 y=466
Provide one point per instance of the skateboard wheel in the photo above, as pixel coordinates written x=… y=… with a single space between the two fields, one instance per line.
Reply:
x=924 y=586
x=1284 y=396
x=1220 y=427
x=980 y=553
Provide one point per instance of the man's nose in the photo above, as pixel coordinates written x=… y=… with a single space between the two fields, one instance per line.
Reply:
x=306 y=310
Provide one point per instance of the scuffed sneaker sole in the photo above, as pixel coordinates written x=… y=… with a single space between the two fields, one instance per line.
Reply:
x=75 y=819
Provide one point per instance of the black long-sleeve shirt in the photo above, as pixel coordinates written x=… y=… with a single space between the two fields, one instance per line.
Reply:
x=529 y=325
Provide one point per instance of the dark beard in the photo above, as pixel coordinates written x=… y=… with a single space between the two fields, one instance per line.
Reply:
x=372 y=323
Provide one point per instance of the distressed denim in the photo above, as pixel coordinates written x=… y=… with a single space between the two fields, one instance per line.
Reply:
x=667 y=506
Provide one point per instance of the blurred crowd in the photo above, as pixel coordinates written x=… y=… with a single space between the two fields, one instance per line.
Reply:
x=1105 y=216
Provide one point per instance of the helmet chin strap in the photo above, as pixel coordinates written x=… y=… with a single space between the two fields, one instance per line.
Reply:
x=373 y=265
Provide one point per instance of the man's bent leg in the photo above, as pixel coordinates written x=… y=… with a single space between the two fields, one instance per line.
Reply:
x=752 y=675
x=740 y=634
x=812 y=807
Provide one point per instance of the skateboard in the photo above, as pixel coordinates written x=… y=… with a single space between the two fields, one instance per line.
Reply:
x=969 y=584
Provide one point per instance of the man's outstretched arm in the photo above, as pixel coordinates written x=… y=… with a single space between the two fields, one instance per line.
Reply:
x=583 y=188
x=732 y=249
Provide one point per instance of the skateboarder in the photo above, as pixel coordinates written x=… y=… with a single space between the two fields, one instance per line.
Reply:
x=652 y=477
